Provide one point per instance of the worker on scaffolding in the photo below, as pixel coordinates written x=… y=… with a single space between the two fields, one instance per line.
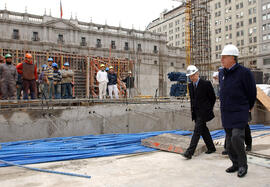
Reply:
x=112 y=84
x=43 y=82
x=102 y=79
x=8 y=78
x=202 y=101
x=129 y=80
x=67 y=82
x=28 y=70
x=49 y=72
x=57 y=78
x=237 y=98
x=19 y=84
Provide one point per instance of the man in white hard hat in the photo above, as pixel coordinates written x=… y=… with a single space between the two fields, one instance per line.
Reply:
x=237 y=98
x=202 y=100
x=102 y=78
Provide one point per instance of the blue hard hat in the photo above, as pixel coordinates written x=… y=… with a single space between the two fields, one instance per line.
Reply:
x=66 y=64
x=107 y=69
x=50 y=59
x=54 y=65
x=44 y=66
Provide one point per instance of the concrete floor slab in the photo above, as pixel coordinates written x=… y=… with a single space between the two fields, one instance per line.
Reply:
x=157 y=169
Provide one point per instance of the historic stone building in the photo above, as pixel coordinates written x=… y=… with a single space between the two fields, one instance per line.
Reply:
x=152 y=58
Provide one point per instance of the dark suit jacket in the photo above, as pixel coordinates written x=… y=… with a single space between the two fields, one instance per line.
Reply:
x=202 y=100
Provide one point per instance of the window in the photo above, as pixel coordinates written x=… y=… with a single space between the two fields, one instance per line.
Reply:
x=35 y=36
x=255 y=39
x=83 y=41
x=155 y=62
x=255 y=19
x=264 y=27
x=139 y=47
x=155 y=49
x=172 y=64
x=60 y=38
x=170 y=25
x=126 y=46
x=264 y=17
x=113 y=46
x=15 y=34
x=266 y=61
x=242 y=42
x=98 y=45
x=250 y=21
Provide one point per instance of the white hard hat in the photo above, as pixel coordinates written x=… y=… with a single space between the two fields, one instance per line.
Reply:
x=230 y=50
x=191 y=69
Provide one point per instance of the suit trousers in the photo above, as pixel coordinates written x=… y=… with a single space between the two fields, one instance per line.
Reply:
x=200 y=130
x=235 y=146
x=248 y=137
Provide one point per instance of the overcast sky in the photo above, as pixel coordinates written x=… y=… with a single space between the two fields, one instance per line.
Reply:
x=127 y=12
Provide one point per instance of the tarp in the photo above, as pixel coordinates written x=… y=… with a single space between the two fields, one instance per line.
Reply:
x=80 y=147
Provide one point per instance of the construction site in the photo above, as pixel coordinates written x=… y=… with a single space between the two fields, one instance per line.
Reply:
x=139 y=141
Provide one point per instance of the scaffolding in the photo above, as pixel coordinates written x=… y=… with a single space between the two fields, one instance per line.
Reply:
x=85 y=68
x=200 y=37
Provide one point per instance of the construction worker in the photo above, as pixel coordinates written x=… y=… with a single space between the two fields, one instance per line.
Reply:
x=67 y=79
x=102 y=78
x=237 y=97
x=8 y=78
x=19 y=85
x=49 y=72
x=29 y=74
x=44 y=82
x=202 y=100
x=129 y=80
x=1 y=62
x=112 y=84
x=57 y=77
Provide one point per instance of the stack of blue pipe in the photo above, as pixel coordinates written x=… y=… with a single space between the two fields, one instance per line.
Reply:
x=180 y=88
x=177 y=76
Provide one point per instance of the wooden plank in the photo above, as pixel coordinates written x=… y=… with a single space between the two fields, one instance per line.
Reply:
x=263 y=98
x=172 y=143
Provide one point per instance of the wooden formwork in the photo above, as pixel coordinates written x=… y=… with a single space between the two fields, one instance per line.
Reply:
x=121 y=68
x=78 y=63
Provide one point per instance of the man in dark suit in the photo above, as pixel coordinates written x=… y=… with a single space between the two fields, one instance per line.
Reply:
x=237 y=97
x=202 y=99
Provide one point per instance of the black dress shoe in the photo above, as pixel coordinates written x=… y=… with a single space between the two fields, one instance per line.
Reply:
x=225 y=152
x=248 y=148
x=210 y=151
x=242 y=171
x=187 y=155
x=232 y=169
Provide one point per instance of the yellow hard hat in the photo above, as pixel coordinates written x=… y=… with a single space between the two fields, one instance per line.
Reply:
x=102 y=65
x=111 y=67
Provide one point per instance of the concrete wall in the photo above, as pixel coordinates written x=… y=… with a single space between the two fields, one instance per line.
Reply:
x=27 y=124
